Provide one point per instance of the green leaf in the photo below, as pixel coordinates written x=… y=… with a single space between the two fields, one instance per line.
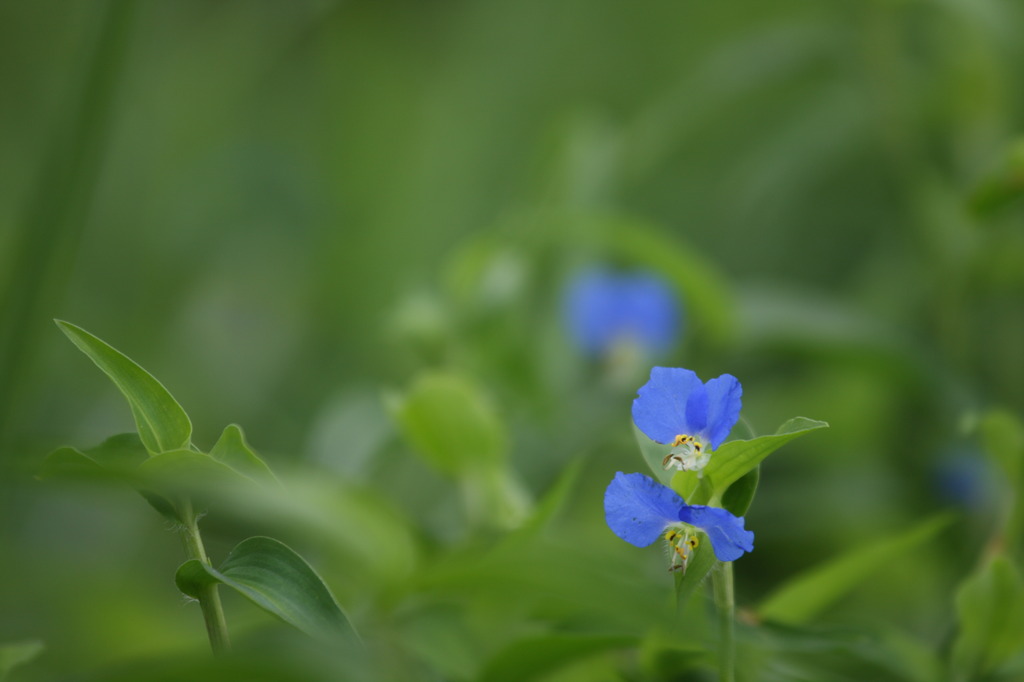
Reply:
x=693 y=488
x=188 y=472
x=534 y=657
x=1003 y=436
x=734 y=459
x=13 y=654
x=233 y=450
x=990 y=610
x=739 y=495
x=653 y=454
x=809 y=593
x=449 y=421
x=701 y=562
x=272 y=576
x=116 y=458
x=161 y=422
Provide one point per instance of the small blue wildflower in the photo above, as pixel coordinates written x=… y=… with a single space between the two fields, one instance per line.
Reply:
x=676 y=407
x=640 y=510
x=605 y=309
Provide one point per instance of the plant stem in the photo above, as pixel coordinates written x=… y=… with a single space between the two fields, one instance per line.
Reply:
x=725 y=602
x=209 y=599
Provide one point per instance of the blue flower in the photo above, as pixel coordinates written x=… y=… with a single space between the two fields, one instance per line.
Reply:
x=605 y=309
x=676 y=407
x=639 y=510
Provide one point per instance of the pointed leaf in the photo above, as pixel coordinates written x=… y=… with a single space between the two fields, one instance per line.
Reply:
x=990 y=608
x=653 y=454
x=272 y=576
x=734 y=459
x=809 y=593
x=162 y=424
x=233 y=450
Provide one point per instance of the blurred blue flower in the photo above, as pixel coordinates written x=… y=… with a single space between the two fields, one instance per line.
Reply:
x=676 y=407
x=639 y=510
x=605 y=309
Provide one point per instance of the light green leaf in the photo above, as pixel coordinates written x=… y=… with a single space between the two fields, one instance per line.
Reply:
x=990 y=610
x=449 y=421
x=271 y=575
x=809 y=593
x=653 y=454
x=533 y=657
x=734 y=459
x=188 y=472
x=1003 y=436
x=233 y=450
x=161 y=422
x=13 y=654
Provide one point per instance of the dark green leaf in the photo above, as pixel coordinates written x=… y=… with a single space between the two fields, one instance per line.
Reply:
x=233 y=450
x=13 y=654
x=449 y=421
x=275 y=578
x=534 y=657
x=734 y=459
x=990 y=609
x=161 y=422
x=807 y=594
x=740 y=494
x=701 y=562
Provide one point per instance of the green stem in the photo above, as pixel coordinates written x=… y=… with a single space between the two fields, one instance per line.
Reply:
x=209 y=599
x=725 y=601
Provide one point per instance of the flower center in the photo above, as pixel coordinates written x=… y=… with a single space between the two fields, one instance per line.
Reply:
x=682 y=542
x=687 y=454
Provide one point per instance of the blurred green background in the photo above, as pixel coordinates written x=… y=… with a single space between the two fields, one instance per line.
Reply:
x=288 y=212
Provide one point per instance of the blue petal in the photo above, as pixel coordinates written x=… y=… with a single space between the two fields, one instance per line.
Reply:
x=590 y=310
x=603 y=308
x=673 y=402
x=728 y=538
x=723 y=407
x=648 y=312
x=637 y=508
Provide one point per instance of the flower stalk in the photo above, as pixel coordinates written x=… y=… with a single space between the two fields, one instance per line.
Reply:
x=725 y=603
x=209 y=599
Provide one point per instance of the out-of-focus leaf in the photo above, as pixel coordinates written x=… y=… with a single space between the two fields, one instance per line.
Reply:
x=188 y=472
x=13 y=654
x=233 y=450
x=809 y=593
x=739 y=495
x=450 y=422
x=1004 y=185
x=701 y=562
x=116 y=458
x=161 y=422
x=271 y=575
x=990 y=610
x=734 y=459
x=1003 y=436
x=530 y=658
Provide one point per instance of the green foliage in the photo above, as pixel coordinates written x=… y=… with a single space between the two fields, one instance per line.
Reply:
x=271 y=575
x=535 y=657
x=734 y=460
x=990 y=612
x=13 y=654
x=702 y=560
x=451 y=424
x=161 y=422
x=808 y=594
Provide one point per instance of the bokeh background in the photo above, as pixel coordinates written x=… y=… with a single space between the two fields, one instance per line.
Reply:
x=291 y=213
